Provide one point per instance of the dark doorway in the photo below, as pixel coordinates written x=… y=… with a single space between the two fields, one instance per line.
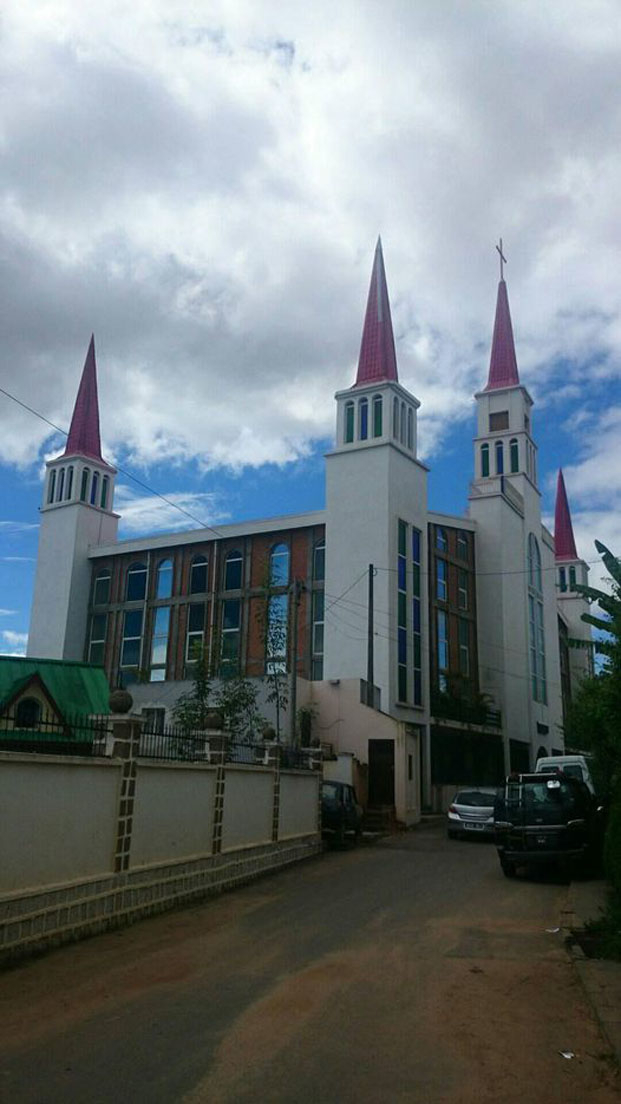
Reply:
x=381 y=772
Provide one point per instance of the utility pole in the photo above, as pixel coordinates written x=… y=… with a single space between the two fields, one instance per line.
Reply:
x=370 y=674
x=296 y=589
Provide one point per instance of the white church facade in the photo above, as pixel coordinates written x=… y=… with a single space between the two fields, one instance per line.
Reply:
x=432 y=649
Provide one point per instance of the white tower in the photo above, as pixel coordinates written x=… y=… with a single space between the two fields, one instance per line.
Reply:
x=516 y=600
x=570 y=569
x=76 y=514
x=376 y=507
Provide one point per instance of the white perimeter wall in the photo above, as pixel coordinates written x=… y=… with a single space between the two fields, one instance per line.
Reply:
x=299 y=807
x=173 y=812
x=58 y=819
x=248 y=807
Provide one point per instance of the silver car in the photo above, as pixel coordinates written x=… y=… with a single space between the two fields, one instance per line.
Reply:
x=471 y=812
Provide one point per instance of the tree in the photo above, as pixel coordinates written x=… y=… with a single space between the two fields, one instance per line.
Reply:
x=191 y=710
x=236 y=697
x=593 y=722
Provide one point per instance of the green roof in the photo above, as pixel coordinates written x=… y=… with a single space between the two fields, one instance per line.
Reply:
x=75 y=687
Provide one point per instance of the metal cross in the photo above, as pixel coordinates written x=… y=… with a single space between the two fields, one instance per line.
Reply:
x=503 y=259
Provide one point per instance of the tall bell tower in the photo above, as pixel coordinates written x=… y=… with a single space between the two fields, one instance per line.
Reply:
x=76 y=514
x=571 y=570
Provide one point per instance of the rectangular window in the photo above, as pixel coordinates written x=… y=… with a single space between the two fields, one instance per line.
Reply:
x=402 y=617
x=195 y=636
x=443 y=647
x=101 y=593
x=277 y=634
x=99 y=624
x=462 y=545
x=231 y=624
x=154 y=720
x=464 y=648
x=159 y=644
x=319 y=561
x=132 y=639
x=441 y=579
x=317 y=640
x=417 y=663
x=441 y=539
x=562 y=579
x=499 y=421
x=462 y=589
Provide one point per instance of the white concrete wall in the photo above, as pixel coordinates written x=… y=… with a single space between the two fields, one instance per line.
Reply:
x=63 y=578
x=299 y=805
x=58 y=819
x=173 y=812
x=368 y=489
x=342 y=721
x=248 y=807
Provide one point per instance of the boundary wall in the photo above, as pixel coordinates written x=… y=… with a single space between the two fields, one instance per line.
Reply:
x=87 y=844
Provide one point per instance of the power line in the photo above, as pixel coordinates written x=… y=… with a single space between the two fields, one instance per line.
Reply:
x=123 y=471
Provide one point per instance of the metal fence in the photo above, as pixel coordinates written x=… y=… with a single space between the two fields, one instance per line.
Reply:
x=216 y=748
x=36 y=731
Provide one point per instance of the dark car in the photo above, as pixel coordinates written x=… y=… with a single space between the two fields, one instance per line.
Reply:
x=541 y=819
x=341 y=815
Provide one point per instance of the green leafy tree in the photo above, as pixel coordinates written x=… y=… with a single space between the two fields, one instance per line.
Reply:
x=236 y=698
x=191 y=709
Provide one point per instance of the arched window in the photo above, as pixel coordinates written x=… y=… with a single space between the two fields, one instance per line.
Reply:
x=410 y=428
x=349 y=422
x=198 y=575
x=61 y=485
x=319 y=561
x=69 y=490
x=279 y=565
x=101 y=590
x=484 y=460
x=94 y=486
x=84 y=484
x=51 y=487
x=402 y=428
x=515 y=454
x=164 y=579
x=562 y=580
x=136 y=583
x=534 y=563
x=363 y=419
x=500 y=458
x=233 y=571
x=28 y=713
x=377 y=416
x=105 y=483
x=572 y=578
x=395 y=418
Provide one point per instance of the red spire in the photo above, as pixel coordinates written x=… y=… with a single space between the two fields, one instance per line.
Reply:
x=564 y=543
x=503 y=369
x=377 y=359
x=83 y=436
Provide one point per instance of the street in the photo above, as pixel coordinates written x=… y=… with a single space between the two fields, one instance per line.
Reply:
x=405 y=970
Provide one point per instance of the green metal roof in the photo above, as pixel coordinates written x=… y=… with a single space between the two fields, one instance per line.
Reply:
x=75 y=687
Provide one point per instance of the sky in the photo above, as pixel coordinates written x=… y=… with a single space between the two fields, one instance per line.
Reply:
x=202 y=185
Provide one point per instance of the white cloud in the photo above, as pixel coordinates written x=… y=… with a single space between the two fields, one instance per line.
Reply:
x=7 y=612
x=13 y=643
x=150 y=514
x=17 y=559
x=15 y=528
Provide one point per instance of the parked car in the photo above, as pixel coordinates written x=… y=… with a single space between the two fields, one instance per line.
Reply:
x=471 y=812
x=547 y=819
x=341 y=815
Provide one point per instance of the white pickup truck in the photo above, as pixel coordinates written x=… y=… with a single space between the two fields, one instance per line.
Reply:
x=575 y=765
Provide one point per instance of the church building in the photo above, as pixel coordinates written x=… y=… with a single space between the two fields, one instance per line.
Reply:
x=430 y=650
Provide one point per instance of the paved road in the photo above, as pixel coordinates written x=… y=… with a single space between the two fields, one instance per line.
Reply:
x=406 y=971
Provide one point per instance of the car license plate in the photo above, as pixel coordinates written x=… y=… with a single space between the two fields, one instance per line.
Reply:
x=475 y=827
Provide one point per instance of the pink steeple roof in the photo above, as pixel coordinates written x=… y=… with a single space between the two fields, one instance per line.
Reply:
x=564 y=543
x=377 y=359
x=503 y=369
x=83 y=436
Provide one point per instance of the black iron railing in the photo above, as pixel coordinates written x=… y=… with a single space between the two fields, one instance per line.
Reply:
x=34 y=731
x=179 y=744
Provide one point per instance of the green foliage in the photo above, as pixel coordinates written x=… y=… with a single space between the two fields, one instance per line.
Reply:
x=191 y=709
x=237 y=699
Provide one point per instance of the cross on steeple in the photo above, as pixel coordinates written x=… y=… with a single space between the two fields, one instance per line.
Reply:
x=503 y=259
